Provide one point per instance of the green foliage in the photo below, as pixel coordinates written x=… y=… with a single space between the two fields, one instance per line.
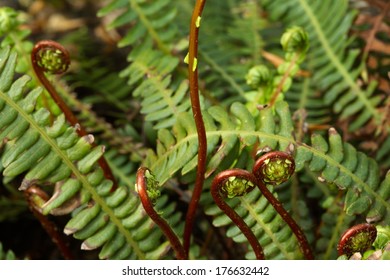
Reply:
x=331 y=60
x=51 y=153
x=289 y=79
x=6 y=255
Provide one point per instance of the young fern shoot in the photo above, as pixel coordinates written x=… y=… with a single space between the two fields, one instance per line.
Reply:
x=50 y=56
x=232 y=183
x=147 y=188
x=275 y=168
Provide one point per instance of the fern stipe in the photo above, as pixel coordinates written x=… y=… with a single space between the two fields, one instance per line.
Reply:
x=200 y=127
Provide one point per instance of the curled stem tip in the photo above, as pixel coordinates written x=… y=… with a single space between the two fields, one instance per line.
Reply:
x=148 y=191
x=358 y=238
x=231 y=183
x=51 y=57
x=274 y=167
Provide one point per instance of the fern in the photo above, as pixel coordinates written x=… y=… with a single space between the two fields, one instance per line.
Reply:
x=147 y=121
x=331 y=61
x=104 y=219
x=334 y=161
x=151 y=57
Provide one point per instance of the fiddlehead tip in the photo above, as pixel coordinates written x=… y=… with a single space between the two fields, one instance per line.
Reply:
x=295 y=39
x=152 y=185
x=51 y=57
x=234 y=182
x=358 y=238
x=274 y=167
x=258 y=76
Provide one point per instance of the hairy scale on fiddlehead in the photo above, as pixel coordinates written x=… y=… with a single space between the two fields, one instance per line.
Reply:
x=50 y=56
x=358 y=238
x=148 y=190
x=231 y=183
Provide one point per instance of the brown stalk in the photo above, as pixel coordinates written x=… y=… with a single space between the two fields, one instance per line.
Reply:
x=197 y=113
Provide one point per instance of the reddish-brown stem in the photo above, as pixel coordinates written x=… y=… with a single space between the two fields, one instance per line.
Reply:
x=71 y=118
x=295 y=228
x=47 y=225
x=160 y=222
x=216 y=190
x=197 y=113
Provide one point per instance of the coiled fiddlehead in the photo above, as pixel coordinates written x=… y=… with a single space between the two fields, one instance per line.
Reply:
x=231 y=183
x=271 y=168
x=52 y=57
x=358 y=238
x=274 y=167
x=147 y=188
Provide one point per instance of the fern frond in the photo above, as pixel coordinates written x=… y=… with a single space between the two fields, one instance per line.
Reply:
x=162 y=99
x=152 y=38
x=54 y=153
x=340 y=163
x=334 y=161
x=152 y=19
x=330 y=60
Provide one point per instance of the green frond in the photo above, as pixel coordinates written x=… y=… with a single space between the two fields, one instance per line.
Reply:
x=237 y=49
x=152 y=37
x=54 y=153
x=340 y=163
x=331 y=61
x=152 y=19
x=333 y=223
x=161 y=98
